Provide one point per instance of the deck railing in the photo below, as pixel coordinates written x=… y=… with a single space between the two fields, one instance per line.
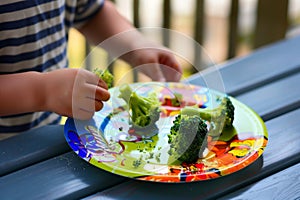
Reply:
x=271 y=24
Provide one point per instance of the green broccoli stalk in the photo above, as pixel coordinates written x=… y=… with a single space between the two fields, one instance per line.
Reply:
x=125 y=92
x=145 y=110
x=105 y=75
x=187 y=138
x=220 y=117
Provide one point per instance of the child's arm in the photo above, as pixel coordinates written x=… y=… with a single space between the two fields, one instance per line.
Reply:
x=114 y=33
x=69 y=92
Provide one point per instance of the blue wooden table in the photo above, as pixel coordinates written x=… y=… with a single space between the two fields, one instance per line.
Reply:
x=40 y=165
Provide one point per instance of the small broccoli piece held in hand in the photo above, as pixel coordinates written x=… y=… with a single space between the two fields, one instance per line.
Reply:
x=105 y=75
x=219 y=117
x=187 y=139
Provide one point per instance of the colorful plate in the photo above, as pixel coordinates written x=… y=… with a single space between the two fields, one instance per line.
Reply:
x=108 y=142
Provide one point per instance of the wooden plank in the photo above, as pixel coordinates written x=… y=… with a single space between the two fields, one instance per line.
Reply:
x=277 y=156
x=233 y=28
x=198 y=35
x=261 y=67
x=271 y=21
x=137 y=24
x=267 y=100
x=65 y=177
x=136 y=13
x=31 y=147
x=199 y=21
x=167 y=22
x=282 y=185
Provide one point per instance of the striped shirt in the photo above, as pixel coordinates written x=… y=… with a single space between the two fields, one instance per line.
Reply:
x=33 y=37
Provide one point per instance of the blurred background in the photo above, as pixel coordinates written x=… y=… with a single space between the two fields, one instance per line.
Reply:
x=227 y=29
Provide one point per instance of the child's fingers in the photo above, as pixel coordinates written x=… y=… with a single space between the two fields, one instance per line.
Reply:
x=101 y=94
x=102 y=84
x=93 y=79
x=153 y=71
x=98 y=105
x=159 y=75
x=97 y=93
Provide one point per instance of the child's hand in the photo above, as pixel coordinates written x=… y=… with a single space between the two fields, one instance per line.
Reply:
x=157 y=63
x=75 y=93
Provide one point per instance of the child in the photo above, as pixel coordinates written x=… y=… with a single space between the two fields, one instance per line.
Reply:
x=36 y=87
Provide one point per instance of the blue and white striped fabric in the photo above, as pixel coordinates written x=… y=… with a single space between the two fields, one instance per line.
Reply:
x=33 y=37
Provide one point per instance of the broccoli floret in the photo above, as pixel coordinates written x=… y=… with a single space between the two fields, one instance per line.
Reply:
x=105 y=75
x=219 y=117
x=187 y=138
x=145 y=110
